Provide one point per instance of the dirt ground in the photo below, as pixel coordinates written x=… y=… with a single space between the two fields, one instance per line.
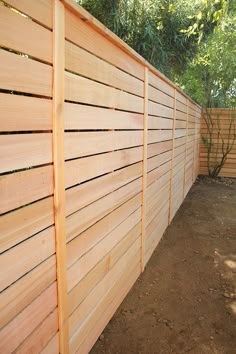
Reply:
x=185 y=301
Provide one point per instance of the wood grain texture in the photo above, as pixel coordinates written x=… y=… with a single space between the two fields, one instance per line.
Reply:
x=24 y=187
x=26 y=256
x=97 y=210
x=41 y=11
x=80 y=170
x=24 y=151
x=23 y=35
x=22 y=113
x=59 y=171
x=15 y=298
x=82 y=34
x=20 y=224
x=18 y=73
x=82 y=90
x=22 y=325
x=144 y=171
x=85 y=286
x=82 y=117
x=83 y=63
x=82 y=144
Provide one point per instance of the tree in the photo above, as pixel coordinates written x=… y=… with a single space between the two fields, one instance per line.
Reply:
x=210 y=80
x=152 y=28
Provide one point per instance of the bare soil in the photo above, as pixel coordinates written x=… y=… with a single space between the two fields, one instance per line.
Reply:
x=185 y=301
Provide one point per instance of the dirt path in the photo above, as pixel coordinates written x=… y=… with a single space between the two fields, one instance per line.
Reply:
x=185 y=301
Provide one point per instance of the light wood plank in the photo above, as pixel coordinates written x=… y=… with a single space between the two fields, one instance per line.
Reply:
x=41 y=11
x=85 y=117
x=81 y=62
x=82 y=34
x=25 y=222
x=22 y=113
x=82 y=267
x=16 y=297
x=158 y=160
x=25 y=36
x=21 y=326
x=82 y=144
x=82 y=219
x=80 y=170
x=59 y=170
x=53 y=346
x=158 y=148
x=120 y=286
x=100 y=323
x=157 y=109
x=181 y=106
x=155 y=136
x=181 y=98
x=160 y=97
x=40 y=336
x=84 y=194
x=82 y=90
x=84 y=309
x=159 y=123
x=158 y=172
x=144 y=179
x=26 y=256
x=22 y=151
x=101 y=269
x=90 y=237
x=24 y=187
x=180 y=115
x=18 y=73
x=160 y=84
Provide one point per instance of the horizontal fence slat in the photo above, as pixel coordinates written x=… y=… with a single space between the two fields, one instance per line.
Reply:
x=19 y=262
x=21 y=326
x=82 y=117
x=24 y=187
x=22 y=113
x=83 y=63
x=160 y=97
x=41 y=11
x=160 y=84
x=82 y=34
x=97 y=210
x=80 y=170
x=83 y=90
x=24 y=151
x=156 y=109
x=25 y=36
x=18 y=73
x=15 y=298
x=82 y=144
x=25 y=222
x=86 y=193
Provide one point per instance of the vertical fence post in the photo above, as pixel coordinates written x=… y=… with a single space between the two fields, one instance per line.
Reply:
x=144 y=184
x=172 y=157
x=194 y=158
x=59 y=169
x=186 y=141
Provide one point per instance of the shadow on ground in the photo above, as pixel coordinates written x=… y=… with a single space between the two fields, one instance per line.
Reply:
x=185 y=301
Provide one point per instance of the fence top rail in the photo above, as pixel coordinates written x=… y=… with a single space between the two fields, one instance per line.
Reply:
x=99 y=27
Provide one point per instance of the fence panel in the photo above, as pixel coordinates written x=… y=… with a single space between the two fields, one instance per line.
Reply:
x=98 y=150
x=28 y=299
x=225 y=118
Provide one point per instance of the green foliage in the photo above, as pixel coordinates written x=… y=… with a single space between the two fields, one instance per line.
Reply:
x=152 y=28
x=190 y=41
x=210 y=76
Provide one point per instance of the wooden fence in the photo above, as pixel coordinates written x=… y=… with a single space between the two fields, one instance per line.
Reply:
x=98 y=151
x=225 y=120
